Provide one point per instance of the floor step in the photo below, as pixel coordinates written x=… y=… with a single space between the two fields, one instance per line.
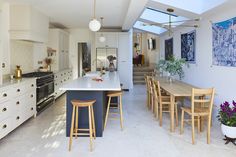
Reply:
x=139 y=82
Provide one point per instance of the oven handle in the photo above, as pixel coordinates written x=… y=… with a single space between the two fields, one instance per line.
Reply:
x=44 y=85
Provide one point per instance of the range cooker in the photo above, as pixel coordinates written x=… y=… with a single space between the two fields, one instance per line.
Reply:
x=45 y=88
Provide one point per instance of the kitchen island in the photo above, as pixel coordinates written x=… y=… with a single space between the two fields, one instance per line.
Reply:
x=87 y=88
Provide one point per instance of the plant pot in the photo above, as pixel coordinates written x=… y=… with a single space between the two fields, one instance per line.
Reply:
x=228 y=131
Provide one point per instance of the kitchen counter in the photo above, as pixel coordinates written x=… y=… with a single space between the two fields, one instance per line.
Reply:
x=85 y=88
x=9 y=82
x=111 y=82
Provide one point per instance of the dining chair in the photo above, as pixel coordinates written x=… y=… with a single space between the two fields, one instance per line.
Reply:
x=163 y=103
x=201 y=106
x=150 y=92
x=146 y=77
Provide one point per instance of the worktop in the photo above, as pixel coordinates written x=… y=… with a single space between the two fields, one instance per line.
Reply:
x=111 y=82
x=10 y=82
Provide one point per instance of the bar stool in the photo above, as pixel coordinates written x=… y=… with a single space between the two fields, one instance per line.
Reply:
x=117 y=94
x=74 y=130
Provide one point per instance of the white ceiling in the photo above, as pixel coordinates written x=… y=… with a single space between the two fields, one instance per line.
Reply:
x=77 y=13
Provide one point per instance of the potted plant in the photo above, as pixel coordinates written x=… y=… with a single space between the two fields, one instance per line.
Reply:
x=227 y=118
x=111 y=64
x=173 y=66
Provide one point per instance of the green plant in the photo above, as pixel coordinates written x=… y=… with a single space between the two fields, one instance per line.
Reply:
x=173 y=66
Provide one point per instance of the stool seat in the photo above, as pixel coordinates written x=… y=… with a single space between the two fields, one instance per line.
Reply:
x=114 y=94
x=83 y=103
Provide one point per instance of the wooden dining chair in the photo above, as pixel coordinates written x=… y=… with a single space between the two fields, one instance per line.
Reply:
x=146 y=77
x=150 y=91
x=196 y=111
x=163 y=103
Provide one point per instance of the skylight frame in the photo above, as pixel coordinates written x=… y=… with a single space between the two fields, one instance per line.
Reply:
x=151 y=29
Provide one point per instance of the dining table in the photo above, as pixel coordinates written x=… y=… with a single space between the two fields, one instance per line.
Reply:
x=176 y=89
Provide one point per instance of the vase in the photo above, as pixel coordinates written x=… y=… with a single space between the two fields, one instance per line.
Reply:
x=228 y=131
x=111 y=67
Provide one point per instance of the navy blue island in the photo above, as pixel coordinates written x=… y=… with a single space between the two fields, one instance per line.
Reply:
x=87 y=88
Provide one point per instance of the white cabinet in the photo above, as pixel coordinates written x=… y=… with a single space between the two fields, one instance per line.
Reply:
x=61 y=78
x=111 y=39
x=125 y=60
x=17 y=104
x=59 y=40
x=27 y=23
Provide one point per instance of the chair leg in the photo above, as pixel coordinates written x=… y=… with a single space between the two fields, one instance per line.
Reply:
x=90 y=129
x=160 y=122
x=76 y=121
x=182 y=123
x=193 y=134
x=198 y=124
x=157 y=110
x=108 y=108
x=209 y=130
x=121 y=114
x=176 y=115
x=93 y=123
x=72 y=128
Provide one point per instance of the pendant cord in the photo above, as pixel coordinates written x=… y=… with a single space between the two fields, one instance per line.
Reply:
x=94 y=9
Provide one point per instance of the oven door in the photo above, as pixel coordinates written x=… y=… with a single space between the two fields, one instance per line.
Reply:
x=44 y=91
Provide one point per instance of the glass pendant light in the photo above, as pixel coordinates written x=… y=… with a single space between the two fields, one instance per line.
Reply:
x=102 y=38
x=94 y=24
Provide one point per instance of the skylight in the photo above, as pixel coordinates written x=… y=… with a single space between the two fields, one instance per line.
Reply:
x=151 y=29
x=195 y=6
x=160 y=17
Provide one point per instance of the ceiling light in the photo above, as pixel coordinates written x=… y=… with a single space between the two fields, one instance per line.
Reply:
x=94 y=24
x=102 y=38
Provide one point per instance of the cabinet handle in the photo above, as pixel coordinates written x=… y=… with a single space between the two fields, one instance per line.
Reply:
x=31 y=95
x=4 y=109
x=18 y=117
x=18 y=90
x=32 y=108
x=61 y=74
x=61 y=81
x=32 y=85
x=17 y=103
x=5 y=95
x=56 y=84
x=4 y=126
x=64 y=79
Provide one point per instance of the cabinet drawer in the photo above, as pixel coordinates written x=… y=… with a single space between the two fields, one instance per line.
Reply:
x=5 y=110
x=6 y=94
x=5 y=127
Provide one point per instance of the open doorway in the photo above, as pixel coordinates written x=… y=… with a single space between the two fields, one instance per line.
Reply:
x=84 y=58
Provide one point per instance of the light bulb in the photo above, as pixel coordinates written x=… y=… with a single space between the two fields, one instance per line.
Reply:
x=94 y=25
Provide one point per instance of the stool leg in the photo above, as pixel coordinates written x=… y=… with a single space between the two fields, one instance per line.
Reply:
x=93 y=124
x=108 y=108
x=90 y=129
x=76 y=121
x=121 y=113
x=72 y=128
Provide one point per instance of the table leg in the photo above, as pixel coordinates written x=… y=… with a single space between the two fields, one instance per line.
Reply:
x=172 y=112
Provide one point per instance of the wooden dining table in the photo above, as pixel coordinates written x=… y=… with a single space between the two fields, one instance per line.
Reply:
x=175 y=89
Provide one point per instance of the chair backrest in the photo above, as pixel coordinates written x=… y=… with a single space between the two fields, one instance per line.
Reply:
x=158 y=91
x=204 y=98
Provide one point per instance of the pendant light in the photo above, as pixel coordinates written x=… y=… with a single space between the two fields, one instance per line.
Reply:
x=94 y=24
x=102 y=38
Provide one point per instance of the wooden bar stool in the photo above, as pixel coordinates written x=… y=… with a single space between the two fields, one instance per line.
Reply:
x=117 y=94
x=74 y=131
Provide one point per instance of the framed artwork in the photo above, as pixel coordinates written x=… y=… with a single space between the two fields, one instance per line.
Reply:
x=224 y=43
x=188 y=46
x=168 y=48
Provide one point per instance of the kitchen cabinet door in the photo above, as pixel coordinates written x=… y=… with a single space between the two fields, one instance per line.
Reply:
x=111 y=40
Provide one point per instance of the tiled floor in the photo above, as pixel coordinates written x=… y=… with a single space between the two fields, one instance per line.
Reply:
x=44 y=136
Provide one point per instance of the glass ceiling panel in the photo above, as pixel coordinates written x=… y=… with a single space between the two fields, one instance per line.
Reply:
x=160 y=17
x=152 y=29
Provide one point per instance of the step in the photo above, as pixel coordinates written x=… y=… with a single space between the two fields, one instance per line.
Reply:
x=143 y=70
x=140 y=73
x=139 y=82
x=138 y=77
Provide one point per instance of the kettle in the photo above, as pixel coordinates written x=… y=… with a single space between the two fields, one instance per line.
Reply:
x=18 y=72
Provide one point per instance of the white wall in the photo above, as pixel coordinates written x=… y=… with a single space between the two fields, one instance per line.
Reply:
x=203 y=73
x=80 y=35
